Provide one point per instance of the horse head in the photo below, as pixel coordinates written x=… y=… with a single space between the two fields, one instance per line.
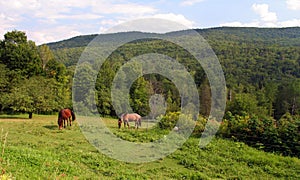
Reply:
x=60 y=123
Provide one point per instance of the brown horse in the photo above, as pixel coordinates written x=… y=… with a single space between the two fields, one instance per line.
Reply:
x=65 y=115
x=131 y=117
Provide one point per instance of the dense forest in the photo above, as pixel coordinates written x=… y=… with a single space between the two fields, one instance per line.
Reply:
x=261 y=67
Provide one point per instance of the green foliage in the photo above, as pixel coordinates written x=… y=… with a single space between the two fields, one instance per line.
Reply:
x=31 y=79
x=243 y=103
x=82 y=93
x=169 y=120
x=4 y=83
x=140 y=96
x=266 y=133
x=200 y=126
x=288 y=99
x=36 y=94
x=288 y=131
x=45 y=54
x=20 y=55
x=205 y=98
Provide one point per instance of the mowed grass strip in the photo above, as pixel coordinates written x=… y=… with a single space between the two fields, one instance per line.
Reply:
x=36 y=149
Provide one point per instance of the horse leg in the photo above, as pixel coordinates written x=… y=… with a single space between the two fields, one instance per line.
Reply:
x=126 y=122
x=64 y=123
x=70 y=120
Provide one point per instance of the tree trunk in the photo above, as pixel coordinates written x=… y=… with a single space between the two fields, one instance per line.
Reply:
x=30 y=115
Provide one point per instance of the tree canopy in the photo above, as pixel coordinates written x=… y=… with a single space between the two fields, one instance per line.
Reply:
x=32 y=81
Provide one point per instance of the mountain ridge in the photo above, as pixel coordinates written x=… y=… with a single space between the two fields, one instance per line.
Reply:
x=289 y=36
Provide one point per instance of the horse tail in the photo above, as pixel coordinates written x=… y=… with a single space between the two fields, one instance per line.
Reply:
x=73 y=115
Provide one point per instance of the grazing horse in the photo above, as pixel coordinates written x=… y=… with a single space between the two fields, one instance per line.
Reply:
x=131 y=117
x=65 y=115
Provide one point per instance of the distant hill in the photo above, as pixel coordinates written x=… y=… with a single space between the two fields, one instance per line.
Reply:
x=84 y=40
x=77 y=41
x=281 y=36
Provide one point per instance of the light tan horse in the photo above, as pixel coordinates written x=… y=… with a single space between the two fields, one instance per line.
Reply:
x=127 y=117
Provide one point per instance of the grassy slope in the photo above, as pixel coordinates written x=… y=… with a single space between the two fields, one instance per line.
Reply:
x=37 y=149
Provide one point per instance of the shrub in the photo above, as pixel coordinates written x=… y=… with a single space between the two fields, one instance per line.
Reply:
x=200 y=126
x=169 y=120
x=288 y=131
x=184 y=123
x=264 y=132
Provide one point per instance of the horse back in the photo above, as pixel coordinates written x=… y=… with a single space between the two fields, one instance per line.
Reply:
x=137 y=116
x=132 y=116
x=65 y=113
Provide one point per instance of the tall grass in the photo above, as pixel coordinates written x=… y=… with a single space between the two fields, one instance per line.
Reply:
x=3 y=141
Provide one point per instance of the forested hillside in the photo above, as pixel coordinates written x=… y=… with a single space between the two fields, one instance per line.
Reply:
x=262 y=63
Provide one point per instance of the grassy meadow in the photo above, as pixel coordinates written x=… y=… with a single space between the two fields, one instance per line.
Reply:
x=36 y=149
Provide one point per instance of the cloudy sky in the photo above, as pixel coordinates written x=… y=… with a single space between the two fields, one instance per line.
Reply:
x=52 y=20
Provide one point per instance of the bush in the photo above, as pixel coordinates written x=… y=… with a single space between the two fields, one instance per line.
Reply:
x=169 y=120
x=184 y=123
x=200 y=126
x=288 y=132
x=264 y=132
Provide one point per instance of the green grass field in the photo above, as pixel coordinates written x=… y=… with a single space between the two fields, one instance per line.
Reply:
x=36 y=149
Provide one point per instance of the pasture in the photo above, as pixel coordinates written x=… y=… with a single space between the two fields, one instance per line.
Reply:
x=36 y=149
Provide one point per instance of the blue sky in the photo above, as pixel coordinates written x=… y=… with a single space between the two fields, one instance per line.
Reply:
x=52 y=20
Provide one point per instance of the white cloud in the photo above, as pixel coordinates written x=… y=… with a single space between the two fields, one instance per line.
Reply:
x=267 y=18
x=290 y=23
x=190 y=2
x=240 y=24
x=263 y=11
x=53 y=34
x=178 y=18
x=128 y=8
x=6 y=23
x=87 y=16
x=62 y=9
x=21 y=6
x=157 y=23
x=54 y=20
x=293 y=4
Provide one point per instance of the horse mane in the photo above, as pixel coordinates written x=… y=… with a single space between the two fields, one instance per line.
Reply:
x=122 y=115
x=60 y=113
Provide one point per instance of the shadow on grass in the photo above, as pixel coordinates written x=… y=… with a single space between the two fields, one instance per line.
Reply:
x=14 y=117
x=51 y=127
